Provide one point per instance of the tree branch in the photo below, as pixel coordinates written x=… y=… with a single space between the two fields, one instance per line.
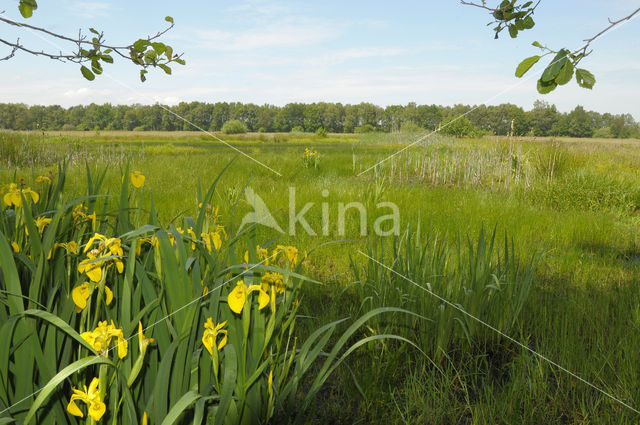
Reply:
x=144 y=52
x=17 y=46
x=583 y=50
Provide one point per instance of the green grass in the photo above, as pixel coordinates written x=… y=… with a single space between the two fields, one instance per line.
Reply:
x=575 y=202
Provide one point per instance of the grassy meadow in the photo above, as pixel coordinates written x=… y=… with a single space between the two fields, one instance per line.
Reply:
x=537 y=237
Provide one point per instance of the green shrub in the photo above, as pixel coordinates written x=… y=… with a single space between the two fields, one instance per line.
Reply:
x=234 y=127
x=603 y=133
x=366 y=128
x=321 y=132
x=459 y=127
x=410 y=127
x=297 y=129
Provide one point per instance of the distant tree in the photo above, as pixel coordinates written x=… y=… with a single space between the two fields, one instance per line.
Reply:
x=333 y=117
x=623 y=126
x=579 y=123
x=542 y=118
x=130 y=119
x=499 y=120
x=313 y=113
x=290 y=116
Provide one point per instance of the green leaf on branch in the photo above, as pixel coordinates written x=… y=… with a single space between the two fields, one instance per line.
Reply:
x=165 y=68
x=86 y=73
x=140 y=45
x=584 y=78
x=159 y=48
x=537 y=44
x=513 y=31
x=26 y=8
x=565 y=74
x=96 y=68
x=526 y=65
x=142 y=75
x=528 y=23
x=169 y=19
x=546 y=87
x=553 y=69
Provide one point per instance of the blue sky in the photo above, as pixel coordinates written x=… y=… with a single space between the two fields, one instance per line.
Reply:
x=338 y=51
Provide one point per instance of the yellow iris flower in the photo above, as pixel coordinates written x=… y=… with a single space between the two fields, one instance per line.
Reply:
x=143 y=341
x=238 y=296
x=100 y=338
x=107 y=247
x=212 y=240
x=15 y=246
x=91 y=267
x=43 y=179
x=211 y=333
x=263 y=255
x=272 y=279
x=192 y=234
x=81 y=293
x=137 y=179
x=12 y=197
x=91 y=397
x=286 y=254
x=41 y=223
x=71 y=247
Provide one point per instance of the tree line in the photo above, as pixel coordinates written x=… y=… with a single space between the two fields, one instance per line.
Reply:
x=461 y=120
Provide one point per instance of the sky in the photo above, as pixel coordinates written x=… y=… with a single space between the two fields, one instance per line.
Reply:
x=277 y=52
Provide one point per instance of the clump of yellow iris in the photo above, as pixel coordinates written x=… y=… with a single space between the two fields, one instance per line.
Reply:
x=213 y=239
x=80 y=215
x=238 y=296
x=14 y=195
x=107 y=249
x=91 y=397
x=100 y=338
x=286 y=255
x=272 y=280
x=263 y=255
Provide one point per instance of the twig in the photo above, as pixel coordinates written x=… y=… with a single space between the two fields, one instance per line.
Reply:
x=583 y=50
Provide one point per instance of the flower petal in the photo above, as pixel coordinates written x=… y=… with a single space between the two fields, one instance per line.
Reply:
x=97 y=409
x=108 y=294
x=80 y=295
x=237 y=297
x=73 y=408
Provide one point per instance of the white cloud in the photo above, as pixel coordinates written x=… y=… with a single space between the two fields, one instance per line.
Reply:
x=285 y=35
x=90 y=9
